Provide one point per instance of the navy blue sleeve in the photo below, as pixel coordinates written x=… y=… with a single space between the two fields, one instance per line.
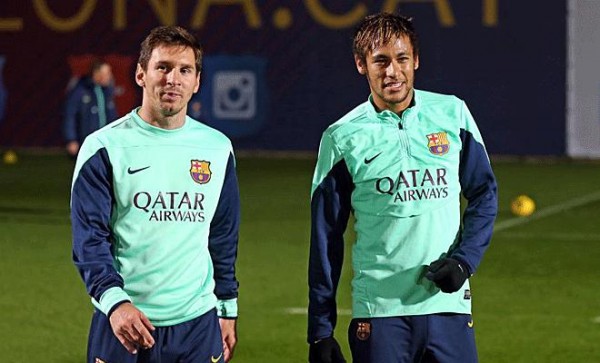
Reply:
x=91 y=205
x=111 y=107
x=479 y=188
x=70 y=132
x=330 y=210
x=223 y=236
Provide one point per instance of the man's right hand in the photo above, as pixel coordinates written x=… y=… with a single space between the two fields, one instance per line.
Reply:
x=131 y=327
x=325 y=351
x=72 y=148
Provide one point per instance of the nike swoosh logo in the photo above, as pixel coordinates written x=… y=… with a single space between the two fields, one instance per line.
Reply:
x=368 y=161
x=215 y=360
x=470 y=324
x=133 y=171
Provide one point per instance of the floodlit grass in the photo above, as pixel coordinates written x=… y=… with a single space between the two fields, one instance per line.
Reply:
x=535 y=296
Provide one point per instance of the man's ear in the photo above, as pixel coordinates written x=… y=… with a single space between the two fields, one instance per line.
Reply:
x=361 y=65
x=416 y=63
x=198 y=79
x=139 y=76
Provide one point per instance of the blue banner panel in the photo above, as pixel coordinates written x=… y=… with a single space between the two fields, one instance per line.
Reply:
x=278 y=72
x=234 y=95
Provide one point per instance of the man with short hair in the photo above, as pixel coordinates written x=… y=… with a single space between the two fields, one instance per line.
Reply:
x=155 y=214
x=399 y=162
x=89 y=105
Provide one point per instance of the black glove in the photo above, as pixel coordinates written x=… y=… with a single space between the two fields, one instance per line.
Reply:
x=325 y=351
x=448 y=274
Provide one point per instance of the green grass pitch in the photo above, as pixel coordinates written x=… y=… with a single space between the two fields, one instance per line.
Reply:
x=536 y=295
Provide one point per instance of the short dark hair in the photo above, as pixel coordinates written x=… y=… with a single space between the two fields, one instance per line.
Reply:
x=95 y=65
x=378 y=29
x=169 y=35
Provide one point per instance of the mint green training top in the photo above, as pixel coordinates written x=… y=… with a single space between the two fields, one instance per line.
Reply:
x=402 y=178
x=155 y=217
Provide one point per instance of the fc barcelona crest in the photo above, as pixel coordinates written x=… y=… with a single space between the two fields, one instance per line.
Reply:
x=363 y=331
x=438 y=143
x=200 y=171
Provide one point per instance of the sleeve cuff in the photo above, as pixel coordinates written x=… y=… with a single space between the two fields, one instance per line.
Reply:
x=227 y=308
x=110 y=298
x=464 y=264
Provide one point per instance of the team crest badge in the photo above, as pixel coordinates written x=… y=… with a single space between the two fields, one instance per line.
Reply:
x=438 y=143
x=200 y=171
x=363 y=331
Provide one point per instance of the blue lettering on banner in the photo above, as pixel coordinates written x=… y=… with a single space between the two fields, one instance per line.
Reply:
x=233 y=95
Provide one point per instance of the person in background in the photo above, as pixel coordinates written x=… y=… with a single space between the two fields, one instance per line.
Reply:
x=399 y=162
x=89 y=105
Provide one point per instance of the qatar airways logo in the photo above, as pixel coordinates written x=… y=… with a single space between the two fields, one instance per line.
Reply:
x=412 y=185
x=171 y=206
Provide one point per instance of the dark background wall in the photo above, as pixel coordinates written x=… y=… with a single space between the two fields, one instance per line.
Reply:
x=290 y=66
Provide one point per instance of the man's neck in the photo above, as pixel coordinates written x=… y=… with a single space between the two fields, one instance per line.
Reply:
x=396 y=108
x=157 y=119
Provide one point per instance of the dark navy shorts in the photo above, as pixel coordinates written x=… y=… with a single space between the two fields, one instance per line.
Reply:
x=197 y=340
x=443 y=338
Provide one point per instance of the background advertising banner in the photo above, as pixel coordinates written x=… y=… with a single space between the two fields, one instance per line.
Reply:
x=277 y=73
x=234 y=90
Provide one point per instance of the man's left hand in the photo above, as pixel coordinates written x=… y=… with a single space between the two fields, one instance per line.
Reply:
x=229 y=334
x=448 y=274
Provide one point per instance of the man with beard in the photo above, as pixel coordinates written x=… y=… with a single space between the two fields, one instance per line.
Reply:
x=155 y=215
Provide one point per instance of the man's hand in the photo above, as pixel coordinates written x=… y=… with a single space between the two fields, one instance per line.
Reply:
x=72 y=148
x=448 y=274
x=132 y=328
x=229 y=334
x=325 y=351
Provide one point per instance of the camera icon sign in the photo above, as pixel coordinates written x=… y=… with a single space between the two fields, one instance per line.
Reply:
x=234 y=95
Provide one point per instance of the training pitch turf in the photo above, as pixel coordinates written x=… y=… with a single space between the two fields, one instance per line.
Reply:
x=536 y=295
